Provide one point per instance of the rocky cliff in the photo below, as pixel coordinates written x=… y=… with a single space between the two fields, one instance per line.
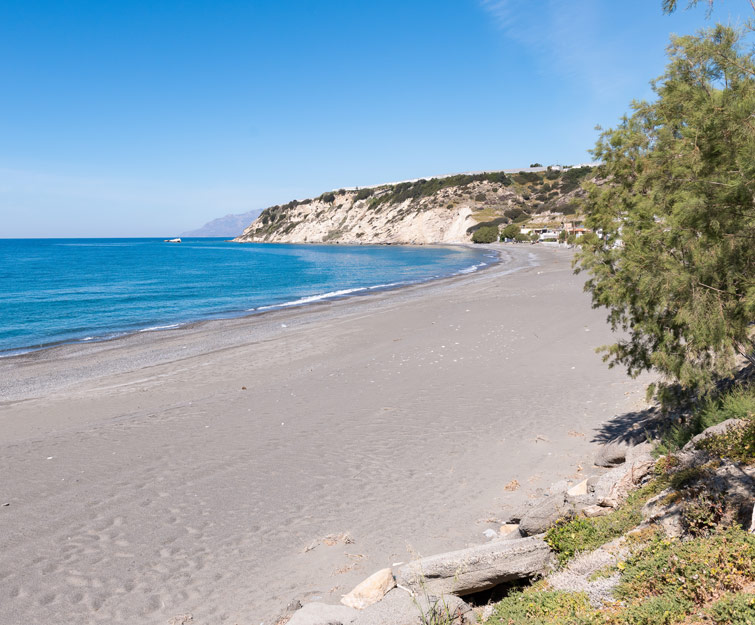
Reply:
x=438 y=210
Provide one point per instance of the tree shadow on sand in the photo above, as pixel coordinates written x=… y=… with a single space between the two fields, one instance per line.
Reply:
x=631 y=427
x=641 y=425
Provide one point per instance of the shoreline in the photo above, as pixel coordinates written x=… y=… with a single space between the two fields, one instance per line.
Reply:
x=229 y=469
x=78 y=349
x=243 y=314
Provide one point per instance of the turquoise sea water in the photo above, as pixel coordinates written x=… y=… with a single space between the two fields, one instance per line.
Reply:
x=67 y=290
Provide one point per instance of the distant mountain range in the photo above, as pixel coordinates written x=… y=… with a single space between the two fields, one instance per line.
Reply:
x=228 y=226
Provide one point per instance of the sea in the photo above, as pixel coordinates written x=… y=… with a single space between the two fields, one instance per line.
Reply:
x=55 y=291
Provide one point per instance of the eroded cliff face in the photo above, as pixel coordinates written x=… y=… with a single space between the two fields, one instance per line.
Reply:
x=346 y=221
x=439 y=210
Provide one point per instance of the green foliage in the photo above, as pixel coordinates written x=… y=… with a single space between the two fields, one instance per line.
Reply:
x=524 y=177
x=521 y=238
x=697 y=570
x=570 y=537
x=536 y=164
x=663 y=582
x=737 y=443
x=513 y=213
x=403 y=191
x=363 y=194
x=538 y=608
x=328 y=198
x=676 y=261
x=735 y=403
x=567 y=208
x=661 y=610
x=703 y=512
x=572 y=178
x=562 y=236
x=510 y=232
x=480 y=197
x=485 y=234
x=734 y=609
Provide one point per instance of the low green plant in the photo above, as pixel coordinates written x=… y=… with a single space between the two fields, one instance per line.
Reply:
x=697 y=570
x=661 y=610
x=737 y=443
x=438 y=613
x=736 y=403
x=567 y=538
x=539 y=608
x=704 y=511
x=685 y=477
x=733 y=609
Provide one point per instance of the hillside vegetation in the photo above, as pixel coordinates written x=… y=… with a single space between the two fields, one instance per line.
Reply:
x=436 y=210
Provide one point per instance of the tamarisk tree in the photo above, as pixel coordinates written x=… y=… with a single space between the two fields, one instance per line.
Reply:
x=674 y=262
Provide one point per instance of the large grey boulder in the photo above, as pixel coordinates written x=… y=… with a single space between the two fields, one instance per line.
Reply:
x=714 y=430
x=640 y=453
x=544 y=515
x=398 y=607
x=613 y=486
x=611 y=454
x=477 y=568
x=634 y=474
x=316 y=613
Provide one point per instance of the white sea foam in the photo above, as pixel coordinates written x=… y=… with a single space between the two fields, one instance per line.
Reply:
x=472 y=269
x=168 y=327
x=315 y=298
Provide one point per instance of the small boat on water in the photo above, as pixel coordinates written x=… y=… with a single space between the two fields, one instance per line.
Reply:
x=176 y=240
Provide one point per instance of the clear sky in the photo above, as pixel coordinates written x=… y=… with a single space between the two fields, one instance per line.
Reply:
x=145 y=118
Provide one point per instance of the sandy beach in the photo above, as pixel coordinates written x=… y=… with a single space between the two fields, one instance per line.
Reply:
x=227 y=468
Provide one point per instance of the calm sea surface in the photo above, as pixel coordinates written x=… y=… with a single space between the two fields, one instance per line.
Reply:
x=67 y=290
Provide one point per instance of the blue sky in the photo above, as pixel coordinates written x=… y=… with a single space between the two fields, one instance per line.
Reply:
x=130 y=118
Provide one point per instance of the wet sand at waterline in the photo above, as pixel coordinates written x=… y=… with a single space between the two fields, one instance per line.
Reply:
x=226 y=468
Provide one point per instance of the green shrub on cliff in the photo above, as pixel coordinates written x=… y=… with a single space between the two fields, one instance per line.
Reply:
x=395 y=194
